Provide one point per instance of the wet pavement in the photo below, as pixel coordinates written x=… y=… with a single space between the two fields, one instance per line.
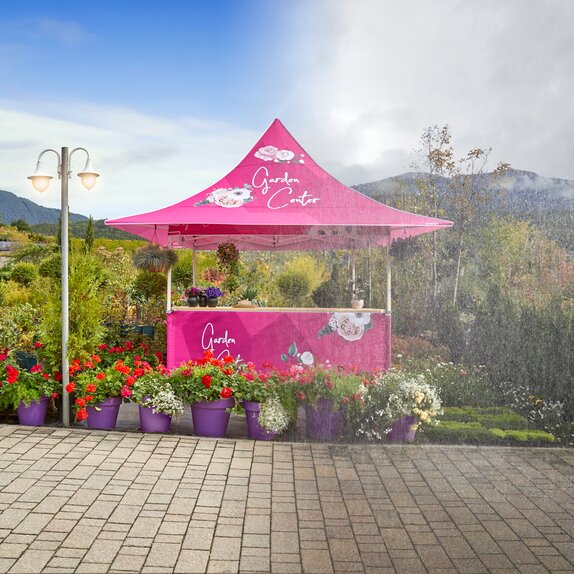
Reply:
x=73 y=500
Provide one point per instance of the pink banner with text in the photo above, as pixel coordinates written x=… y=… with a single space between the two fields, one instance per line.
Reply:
x=282 y=338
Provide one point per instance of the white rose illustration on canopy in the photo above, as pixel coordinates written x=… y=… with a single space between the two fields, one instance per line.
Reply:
x=350 y=326
x=228 y=197
x=272 y=153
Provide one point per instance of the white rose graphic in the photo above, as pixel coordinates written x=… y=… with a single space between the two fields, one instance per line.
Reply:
x=266 y=153
x=307 y=358
x=351 y=326
x=284 y=155
x=231 y=197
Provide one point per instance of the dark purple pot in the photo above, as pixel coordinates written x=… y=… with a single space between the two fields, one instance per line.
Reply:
x=210 y=418
x=403 y=429
x=151 y=421
x=107 y=416
x=254 y=430
x=33 y=415
x=321 y=422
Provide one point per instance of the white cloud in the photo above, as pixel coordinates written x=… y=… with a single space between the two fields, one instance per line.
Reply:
x=378 y=72
x=146 y=162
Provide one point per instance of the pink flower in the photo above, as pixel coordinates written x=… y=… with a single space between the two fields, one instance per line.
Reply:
x=126 y=391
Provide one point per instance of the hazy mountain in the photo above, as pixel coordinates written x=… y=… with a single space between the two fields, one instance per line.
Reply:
x=519 y=192
x=13 y=207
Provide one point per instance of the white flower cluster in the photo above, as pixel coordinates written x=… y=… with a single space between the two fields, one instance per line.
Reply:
x=414 y=397
x=273 y=416
x=165 y=402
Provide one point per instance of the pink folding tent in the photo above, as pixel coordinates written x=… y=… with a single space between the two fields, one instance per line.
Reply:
x=278 y=198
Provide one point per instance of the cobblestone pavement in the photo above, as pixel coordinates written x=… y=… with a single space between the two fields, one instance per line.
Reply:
x=94 y=501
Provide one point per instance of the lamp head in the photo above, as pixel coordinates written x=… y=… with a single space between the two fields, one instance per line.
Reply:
x=88 y=175
x=40 y=180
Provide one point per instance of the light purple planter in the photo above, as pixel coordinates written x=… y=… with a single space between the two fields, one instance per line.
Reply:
x=151 y=421
x=210 y=418
x=403 y=429
x=254 y=430
x=321 y=422
x=107 y=416
x=33 y=415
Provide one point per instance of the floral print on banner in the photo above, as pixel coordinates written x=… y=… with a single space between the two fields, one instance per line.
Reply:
x=294 y=356
x=271 y=153
x=228 y=197
x=350 y=326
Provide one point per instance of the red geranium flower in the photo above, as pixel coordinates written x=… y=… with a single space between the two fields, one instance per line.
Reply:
x=38 y=345
x=226 y=392
x=206 y=381
x=55 y=395
x=228 y=359
x=300 y=396
x=36 y=369
x=91 y=388
x=100 y=376
x=126 y=391
x=80 y=402
x=82 y=414
x=70 y=387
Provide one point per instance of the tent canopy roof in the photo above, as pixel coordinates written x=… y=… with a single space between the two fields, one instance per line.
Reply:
x=277 y=198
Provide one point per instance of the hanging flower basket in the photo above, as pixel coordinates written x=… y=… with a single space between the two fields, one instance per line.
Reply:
x=154 y=258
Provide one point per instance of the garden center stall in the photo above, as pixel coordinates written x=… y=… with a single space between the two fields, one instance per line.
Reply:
x=278 y=198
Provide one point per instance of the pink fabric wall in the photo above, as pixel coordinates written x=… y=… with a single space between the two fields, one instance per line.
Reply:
x=282 y=338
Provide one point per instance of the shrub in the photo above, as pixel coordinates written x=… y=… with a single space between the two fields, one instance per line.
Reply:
x=51 y=266
x=294 y=287
x=24 y=273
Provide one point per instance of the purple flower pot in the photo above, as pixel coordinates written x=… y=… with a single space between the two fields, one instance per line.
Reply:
x=321 y=422
x=106 y=417
x=33 y=415
x=403 y=429
x=254 y=430
x=210 y=418
x=151 y=421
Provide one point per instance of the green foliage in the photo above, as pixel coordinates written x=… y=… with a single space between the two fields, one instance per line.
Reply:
x=33 y=252
x=294 y=287
x=51 y=266
x=24 y=273
x=19 y=327
x=85 y=312
x=89 y=237
x=21 y=225
x=149 y=285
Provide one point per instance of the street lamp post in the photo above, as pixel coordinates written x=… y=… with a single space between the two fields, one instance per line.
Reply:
x=41 y=181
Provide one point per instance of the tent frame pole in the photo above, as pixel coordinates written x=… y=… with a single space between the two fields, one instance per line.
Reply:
x=389 y=304
x=168 y=294
x=194 y=275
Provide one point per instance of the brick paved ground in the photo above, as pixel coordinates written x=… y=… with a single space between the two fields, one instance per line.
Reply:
x=80 y=501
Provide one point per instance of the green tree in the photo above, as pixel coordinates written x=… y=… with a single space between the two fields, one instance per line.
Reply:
x=89 y=237
x=21 y=225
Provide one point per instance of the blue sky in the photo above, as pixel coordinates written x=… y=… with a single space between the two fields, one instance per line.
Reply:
x=168 y=96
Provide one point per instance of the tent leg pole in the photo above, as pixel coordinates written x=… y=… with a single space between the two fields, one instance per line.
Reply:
x=353 y=272
x=389 y=305
x=168 y=298
x=194 y=268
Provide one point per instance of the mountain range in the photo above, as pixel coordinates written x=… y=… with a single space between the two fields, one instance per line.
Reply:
x=13 y=208
x=519 y=192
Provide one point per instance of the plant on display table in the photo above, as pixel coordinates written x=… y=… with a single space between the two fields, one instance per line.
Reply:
x=213 y=294
x=26 y=391
x=157 y=401
x=192 y=295
x=99 y=391
x=209 y=384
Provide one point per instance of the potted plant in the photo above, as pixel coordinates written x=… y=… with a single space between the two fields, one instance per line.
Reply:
x=209 y=385
x=213 y=294
x=324 y=392
x=192 y=296
x=152 y=257
x=100 y=391
x=19 y=332
x=157 y=401
x=266 y=415
x=394 y=406
x=27 y=392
